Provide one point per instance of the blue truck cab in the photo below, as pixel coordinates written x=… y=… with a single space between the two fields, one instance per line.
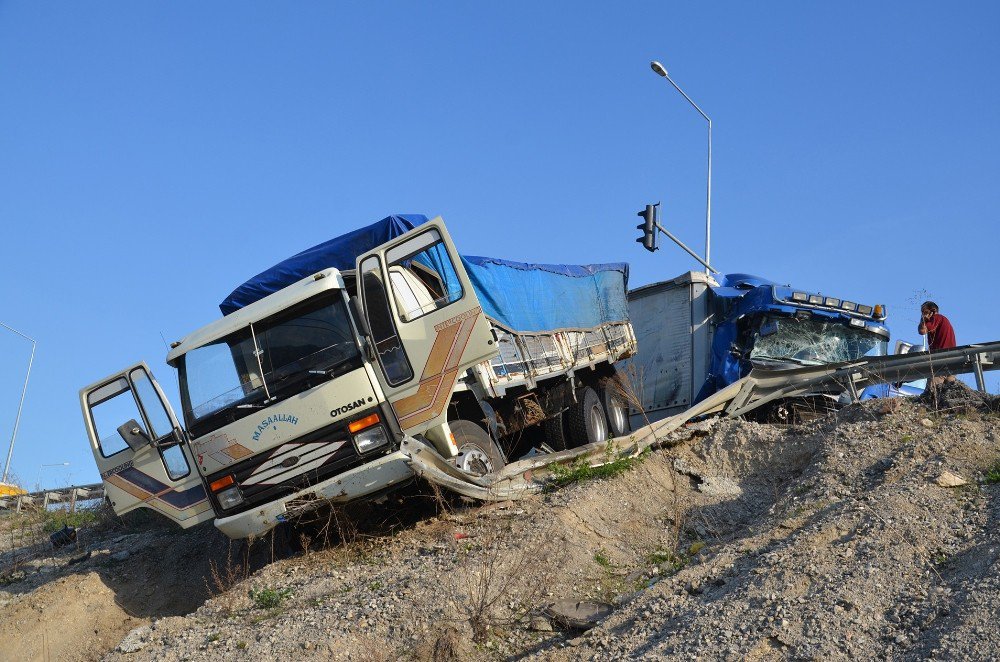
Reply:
x=697 y=335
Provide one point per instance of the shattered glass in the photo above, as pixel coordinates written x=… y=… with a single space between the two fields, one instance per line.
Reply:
x=813 y=342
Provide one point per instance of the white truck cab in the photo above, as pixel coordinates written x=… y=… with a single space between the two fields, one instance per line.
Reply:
x=299 y=398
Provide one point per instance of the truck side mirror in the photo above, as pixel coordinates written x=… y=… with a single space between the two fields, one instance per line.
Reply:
x=134 y=435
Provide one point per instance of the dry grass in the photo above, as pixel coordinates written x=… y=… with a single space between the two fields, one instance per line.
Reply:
x=499 y=581
x=227 y=574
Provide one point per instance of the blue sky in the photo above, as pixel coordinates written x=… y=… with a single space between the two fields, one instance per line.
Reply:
x=155 y=155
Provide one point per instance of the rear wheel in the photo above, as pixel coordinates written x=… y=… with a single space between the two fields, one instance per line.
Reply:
x=555 y=433
x=614 y=405
x=478 y=454
x=587 y=421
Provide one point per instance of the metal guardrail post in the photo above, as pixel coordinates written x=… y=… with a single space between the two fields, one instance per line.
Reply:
x=852 y=388
x=977 y=366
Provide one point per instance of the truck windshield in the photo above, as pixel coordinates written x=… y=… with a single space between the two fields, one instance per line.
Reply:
x=813 y=342
x=232 y=377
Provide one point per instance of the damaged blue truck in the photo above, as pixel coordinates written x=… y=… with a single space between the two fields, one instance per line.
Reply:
x=697 y=335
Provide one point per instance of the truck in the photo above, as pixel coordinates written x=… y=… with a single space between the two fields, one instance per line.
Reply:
x=322 y=367
x=697 y=335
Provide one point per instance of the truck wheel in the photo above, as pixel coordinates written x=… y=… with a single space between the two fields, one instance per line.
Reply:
x=477 y=452
x=614 y=405
x=555 y=433
x=587 y=420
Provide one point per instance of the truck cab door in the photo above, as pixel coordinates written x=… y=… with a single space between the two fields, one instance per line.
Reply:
x=141 y=450
x=425 y=322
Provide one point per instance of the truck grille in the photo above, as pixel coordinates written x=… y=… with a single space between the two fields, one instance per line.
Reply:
x=295 y=465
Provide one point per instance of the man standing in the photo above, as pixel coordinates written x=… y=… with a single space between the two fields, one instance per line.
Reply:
x=940 y=334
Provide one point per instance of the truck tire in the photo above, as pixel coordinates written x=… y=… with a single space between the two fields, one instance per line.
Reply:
x=555 y=433
x=615 y=406
x=587 y=421
x=478 y=454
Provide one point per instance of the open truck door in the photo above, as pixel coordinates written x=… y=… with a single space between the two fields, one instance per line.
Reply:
x=140 y=448
x=424 y=320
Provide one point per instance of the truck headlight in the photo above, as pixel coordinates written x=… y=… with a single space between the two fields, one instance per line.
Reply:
x=229 y=498
x=370 y=439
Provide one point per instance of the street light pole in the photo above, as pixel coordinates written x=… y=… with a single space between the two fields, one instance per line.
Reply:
x=17 y=419
x=662 y=71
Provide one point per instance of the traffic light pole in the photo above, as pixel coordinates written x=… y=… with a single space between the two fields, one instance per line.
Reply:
x=686 y=249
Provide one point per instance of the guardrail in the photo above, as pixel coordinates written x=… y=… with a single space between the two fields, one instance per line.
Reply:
x=43 y=499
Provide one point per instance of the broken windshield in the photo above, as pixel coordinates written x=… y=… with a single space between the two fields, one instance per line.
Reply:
x=813 y=342
x=269 y=360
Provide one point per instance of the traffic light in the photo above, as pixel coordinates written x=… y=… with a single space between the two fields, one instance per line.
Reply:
x=648 y=227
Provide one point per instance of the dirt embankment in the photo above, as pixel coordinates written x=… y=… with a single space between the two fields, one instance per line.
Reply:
x=78 y=603
x=866 y=534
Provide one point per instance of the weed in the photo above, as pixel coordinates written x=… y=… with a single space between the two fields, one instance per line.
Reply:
x=582 y=470
x=60 y=518
x=227 y=575
x=212 y=637
x=992 y=474
x=376 y=585
x=669 y=561
x=241 y=645
x=601 y=559
x=269 y=598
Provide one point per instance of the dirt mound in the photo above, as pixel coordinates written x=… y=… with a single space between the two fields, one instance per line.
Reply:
x=78 y=602
x=957 y=397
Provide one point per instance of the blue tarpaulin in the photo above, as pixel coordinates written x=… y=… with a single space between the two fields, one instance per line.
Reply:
x=519 y=296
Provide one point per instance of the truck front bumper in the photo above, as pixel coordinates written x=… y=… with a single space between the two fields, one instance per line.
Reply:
x=380 y=474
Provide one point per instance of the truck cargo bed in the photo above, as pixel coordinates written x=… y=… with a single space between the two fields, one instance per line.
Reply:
x=524 y=359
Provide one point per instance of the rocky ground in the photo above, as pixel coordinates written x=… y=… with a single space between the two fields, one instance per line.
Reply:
x=871 y=533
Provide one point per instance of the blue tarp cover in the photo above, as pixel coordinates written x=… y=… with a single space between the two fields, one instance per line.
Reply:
x=520 y=296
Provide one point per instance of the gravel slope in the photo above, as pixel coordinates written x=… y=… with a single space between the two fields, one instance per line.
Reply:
x=835 y=539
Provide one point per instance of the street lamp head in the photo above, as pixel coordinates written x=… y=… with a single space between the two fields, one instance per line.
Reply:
x=658 y=68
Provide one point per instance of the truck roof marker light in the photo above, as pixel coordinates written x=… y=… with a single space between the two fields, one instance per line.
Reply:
x=849 y=305
x=865 y=310
x=799 y=296
x=816 y=299
x=856 y=322
x=879 y=312
x=221 y=483
x=362 y=423
x=833 y=303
